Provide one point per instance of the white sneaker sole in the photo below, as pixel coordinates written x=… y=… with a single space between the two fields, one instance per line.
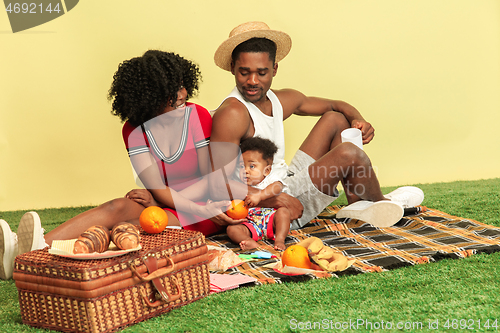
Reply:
x=380 y=214
x=412 y=196
x=7 y=250
x=28 y=232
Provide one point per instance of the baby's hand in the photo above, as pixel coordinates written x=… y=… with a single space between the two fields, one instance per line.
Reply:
x=252 y=200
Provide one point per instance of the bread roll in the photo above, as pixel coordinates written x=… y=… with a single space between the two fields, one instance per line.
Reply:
x=94 y=239
x=125 y=236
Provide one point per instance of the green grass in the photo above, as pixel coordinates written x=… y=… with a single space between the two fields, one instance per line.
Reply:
x=464 y=289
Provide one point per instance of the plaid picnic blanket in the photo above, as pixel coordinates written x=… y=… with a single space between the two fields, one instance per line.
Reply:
x=423 y=238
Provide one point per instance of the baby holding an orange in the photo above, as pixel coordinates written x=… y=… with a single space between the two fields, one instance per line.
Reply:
x=254 y=168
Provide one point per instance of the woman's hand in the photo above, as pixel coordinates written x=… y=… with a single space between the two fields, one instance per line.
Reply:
x=216 y=213
x=142 y=196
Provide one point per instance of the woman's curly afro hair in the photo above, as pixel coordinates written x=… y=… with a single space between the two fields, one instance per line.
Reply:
x=144 y=86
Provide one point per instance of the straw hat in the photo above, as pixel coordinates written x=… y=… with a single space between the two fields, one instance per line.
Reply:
x=246 y=31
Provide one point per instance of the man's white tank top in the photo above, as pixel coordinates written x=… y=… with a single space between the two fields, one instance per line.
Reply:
x=268 y=127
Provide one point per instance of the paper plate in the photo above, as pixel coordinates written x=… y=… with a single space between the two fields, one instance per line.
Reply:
x=64 y=248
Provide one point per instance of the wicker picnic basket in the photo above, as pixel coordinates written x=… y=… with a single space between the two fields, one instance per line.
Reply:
x=105 y=295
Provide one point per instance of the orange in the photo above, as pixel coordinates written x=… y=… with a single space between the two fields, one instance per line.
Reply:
x=153 y=220
x=296 y=256
x=237 y=210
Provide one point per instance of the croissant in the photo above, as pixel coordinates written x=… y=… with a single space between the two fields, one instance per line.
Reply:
x=125 y=236
x=94 y=239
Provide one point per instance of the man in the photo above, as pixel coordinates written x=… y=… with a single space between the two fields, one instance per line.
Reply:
x=252 y=53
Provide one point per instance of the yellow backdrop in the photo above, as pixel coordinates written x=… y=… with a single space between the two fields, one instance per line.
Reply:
x=425 y=73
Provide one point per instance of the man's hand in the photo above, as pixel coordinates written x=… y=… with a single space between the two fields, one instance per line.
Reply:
x=293 y=204
x=366 y=129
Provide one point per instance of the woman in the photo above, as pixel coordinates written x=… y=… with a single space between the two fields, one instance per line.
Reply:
x=167 y=140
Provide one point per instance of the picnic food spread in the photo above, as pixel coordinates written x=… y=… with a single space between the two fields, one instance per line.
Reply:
x=326 y=257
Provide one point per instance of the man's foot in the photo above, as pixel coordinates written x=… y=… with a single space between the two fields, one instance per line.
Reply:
x=8 y=250
x=279 y=245
x=30 y=233
x=406 y=196
x=381 y=214
x=248 y=244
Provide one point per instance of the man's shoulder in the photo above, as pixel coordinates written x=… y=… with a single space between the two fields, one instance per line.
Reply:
x=290 y=99
x=230 y=108
x=231 y=118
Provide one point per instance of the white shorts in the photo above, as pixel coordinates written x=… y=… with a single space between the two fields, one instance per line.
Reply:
x=301 y=187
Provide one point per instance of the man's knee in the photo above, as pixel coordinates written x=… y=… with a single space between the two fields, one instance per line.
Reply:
x=350 y=154
x=336 y=119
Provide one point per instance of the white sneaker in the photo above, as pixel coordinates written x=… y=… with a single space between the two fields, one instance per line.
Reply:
x=379 y=214
x=406 y=196
x=8 y=250
x=30 y=233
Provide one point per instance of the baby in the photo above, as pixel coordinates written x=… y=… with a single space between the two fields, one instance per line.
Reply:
x=254 y=168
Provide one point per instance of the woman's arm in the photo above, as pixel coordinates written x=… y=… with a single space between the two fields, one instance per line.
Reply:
x=149 y=175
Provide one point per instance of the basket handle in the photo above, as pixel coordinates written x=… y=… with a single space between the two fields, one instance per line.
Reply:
x=166 y=297
x=151 y=264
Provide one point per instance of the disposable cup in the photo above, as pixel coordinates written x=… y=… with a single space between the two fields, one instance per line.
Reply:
x=353 y=135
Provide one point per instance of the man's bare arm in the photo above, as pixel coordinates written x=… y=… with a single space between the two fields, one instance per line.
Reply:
x=293 y=205
x=295 y=102
x=231 y=123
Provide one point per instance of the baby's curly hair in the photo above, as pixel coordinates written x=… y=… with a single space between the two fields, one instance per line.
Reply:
x=264 y=146
x=143 y=86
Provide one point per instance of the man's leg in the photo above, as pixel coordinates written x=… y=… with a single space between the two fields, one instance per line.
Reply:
x=351 y=166
x=344 y=162
x=325 y=135
x=345 y=165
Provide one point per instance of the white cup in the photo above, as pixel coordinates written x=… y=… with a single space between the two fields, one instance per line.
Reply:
x=353 y=135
